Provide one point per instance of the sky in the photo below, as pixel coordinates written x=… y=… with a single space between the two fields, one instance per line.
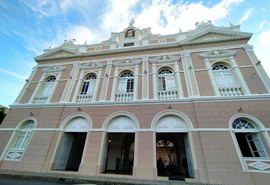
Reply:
x=29 y=26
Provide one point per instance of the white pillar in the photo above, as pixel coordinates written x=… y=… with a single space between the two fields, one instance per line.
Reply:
x=26 y=85
x=115 y=82
x=37 y=89
x=135 y=89
x=155 y=78
x=257 y=65
x=178 y=79
x=106 y=79
x=239 y=75
x=145 y=78
x=211 y=76
x=70 y=83
x=97 y=84
x=79 y=84
x=191 y=81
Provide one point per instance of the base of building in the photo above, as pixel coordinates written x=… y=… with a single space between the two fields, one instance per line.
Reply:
x=95 y=180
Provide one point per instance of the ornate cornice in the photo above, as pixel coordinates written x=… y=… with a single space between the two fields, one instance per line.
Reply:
x=127 y=62
x=53 y=69
x=218 y=54
x=164 y=59
x=92 y=65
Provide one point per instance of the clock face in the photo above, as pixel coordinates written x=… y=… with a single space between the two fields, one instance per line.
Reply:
x=130 y=33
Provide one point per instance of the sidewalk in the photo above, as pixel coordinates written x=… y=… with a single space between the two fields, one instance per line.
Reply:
x=93 y=180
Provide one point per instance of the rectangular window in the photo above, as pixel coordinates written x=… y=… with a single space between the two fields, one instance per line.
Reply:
x=129 y=44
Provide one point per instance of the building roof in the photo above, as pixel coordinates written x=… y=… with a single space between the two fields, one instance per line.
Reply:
x=135 y=39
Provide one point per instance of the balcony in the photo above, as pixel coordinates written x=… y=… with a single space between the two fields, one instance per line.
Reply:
x=40 y=99
x=167 y=95
x=84 y=98
x=230 y=91
x=128 y=96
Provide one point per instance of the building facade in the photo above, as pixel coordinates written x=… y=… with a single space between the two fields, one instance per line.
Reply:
x=192 y=105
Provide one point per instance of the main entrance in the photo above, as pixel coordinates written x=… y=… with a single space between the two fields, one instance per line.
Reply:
x=119 y=146
x=173 y=153
x=71 y=145
x=120 y=153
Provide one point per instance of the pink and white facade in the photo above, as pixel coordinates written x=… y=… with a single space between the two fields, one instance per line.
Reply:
x=192 y=105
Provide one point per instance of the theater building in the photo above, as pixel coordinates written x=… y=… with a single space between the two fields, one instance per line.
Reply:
x=191 y=106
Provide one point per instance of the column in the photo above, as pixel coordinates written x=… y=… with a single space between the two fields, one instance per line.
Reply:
x=257 y=65
x=115 y=82
x=155 y=78
x=97 y=84
x=70 y=83
x=211 y=76
x=136 y=76
x=145 y=78
x=191 y=81
x=38 y=88
x=239 y=75
x=26 y=85
x=178 y=79
x=79 y=84
x=105 y=84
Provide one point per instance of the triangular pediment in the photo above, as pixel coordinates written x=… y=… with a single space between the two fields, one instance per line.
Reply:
x=57 y=53
x=214 y=36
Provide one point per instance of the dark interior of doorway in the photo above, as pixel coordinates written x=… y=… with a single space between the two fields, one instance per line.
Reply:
x=120 y=153
x=171 y=155
x=70 y=151
x=75 y=155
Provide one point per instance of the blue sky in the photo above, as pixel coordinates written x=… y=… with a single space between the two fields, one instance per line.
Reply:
x=29 y=26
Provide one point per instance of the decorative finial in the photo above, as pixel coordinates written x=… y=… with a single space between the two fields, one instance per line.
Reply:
x=131 y=23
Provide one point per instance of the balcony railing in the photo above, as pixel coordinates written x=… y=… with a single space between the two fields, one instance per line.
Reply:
x=84 y=98
x=40 y=99
x=167 y=94
x=128 y=96
x=230 y=91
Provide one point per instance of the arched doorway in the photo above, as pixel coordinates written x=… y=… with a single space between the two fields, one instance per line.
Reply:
x=120 y=138
x=70 y=149
x=173 y=153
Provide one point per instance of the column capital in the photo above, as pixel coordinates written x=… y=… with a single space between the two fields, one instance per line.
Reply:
x=248 y=47
x=145 y=58
x=185 y=54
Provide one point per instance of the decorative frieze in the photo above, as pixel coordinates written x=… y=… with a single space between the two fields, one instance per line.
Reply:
x=127 y=62
x=53 y=69
x=164 y=59
x=92 y=65
x=218 y=54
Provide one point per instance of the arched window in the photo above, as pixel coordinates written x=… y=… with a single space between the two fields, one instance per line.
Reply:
x=126 y=82
x=225 y=81
x=21 y=138
x=249 y=138
x=223 y=76
x=89 y=84
x=46 y=90
x=166 y=80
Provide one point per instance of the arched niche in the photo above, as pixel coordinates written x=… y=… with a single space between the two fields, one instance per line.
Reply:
x=171 y=123
x=121 y=124
x=77 y=124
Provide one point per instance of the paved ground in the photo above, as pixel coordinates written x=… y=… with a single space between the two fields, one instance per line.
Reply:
x=13 y=181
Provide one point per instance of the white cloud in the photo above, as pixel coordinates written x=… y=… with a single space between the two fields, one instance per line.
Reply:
x=262 y=24
x=246 y=15
x=181 y=14
x=117 y=14
x=264 y=38
x=81 y=34
x=13 y=74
